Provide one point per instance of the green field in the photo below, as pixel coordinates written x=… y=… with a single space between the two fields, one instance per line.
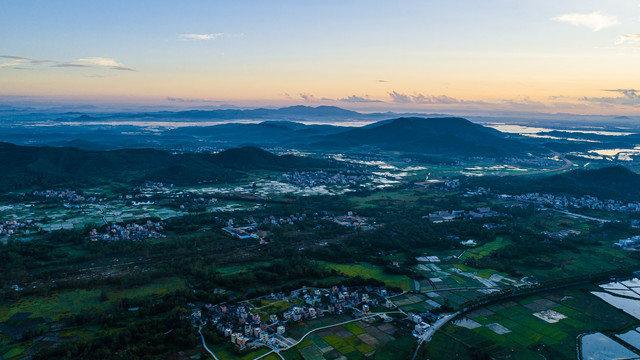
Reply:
x=366 y=270
x=223 y=353
x=486 y=249
x=357 y=340
x=528 y=336
x=64 y=303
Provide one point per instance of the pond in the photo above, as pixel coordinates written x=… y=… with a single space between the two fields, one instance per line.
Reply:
x=601 y=347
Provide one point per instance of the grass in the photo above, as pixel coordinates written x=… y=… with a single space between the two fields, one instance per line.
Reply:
x=14 y=353
x=269 y=307
x=486 y=249
x=64 y=303
x=339 y=344
x=354 y=329
x=366 y=270
x=223 y=353
x=231 y=270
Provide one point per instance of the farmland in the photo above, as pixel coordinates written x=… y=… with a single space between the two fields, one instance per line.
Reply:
x=520 y=326
x=357 y=340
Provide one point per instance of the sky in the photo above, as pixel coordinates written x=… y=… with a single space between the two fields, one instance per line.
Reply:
x=561 y=56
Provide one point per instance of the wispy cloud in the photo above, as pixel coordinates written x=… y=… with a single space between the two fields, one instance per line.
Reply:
x=524 y=102
x=629 y=38
x=630 y=97
x=71 y=65
x=100 y=61
x=19 y=62
x=383 y=81
x=359 y=99
x=417 y=98
x=96 y=63
x=13 y=57
x=595 y=21
x=190 y=100
x=11 y=63
x=201 y=36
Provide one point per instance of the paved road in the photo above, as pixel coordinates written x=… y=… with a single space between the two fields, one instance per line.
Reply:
x=205 y=344
x=432 y=330
x=464 y=288
x=580 y=216
x=567 y=164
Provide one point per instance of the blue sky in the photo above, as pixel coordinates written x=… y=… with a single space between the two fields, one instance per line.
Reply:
x=520 y=55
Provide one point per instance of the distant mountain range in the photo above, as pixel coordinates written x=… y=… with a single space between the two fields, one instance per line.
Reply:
x=24 y=166
x=186 y=130
x=434 y=136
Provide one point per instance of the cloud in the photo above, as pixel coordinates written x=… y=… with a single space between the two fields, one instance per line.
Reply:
x=71 y=65
x=383 y=81
x=632 y=38
x=14 y=57
x=11 y=63
x=100 y=61
x=400 y=98
x=525 y=101
x=308 y=97
x=630 y=97
x=416 y=98
x=123 y=68
x=359 y=99
x=201 y=36
x=594 y=21
x=188 y=100
x=18 y=62
x=95 y=63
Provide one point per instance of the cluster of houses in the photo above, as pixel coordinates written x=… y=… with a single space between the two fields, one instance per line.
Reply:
x=587 y=201
x=11 y=227
x=249 y=227
x=130 y=232
x=561 y=234
x=316 y=178
x=445 y=216
x=632 y=242
x=66 y=195
x=352 y=220
x=198 y=202
x=156 y=186
x=422 y=321
x=440 y=184
x=246 y=327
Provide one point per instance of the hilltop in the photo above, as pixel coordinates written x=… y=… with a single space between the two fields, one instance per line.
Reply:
x=440 y=136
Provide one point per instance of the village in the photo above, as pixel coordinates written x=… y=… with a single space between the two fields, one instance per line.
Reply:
x=247 y=326
x=129 y=232
x=585 y=202
x=315 y=178
x=441 y=216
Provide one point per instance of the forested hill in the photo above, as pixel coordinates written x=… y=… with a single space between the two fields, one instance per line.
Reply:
x=613 y=182
x=440 y=136
x=24 y=166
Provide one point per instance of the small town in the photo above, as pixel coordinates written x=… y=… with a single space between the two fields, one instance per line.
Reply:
x=129 y=232
x=248 y=327
x=315 y=178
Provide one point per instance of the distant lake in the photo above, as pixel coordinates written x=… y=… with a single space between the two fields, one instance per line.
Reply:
x=529 y=130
